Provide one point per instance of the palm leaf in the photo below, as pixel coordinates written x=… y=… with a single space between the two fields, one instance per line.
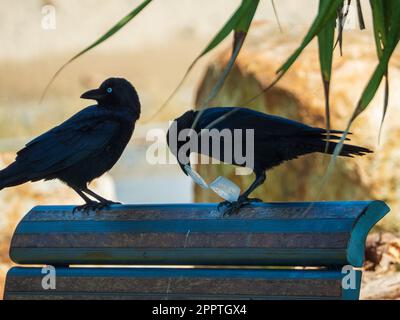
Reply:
x=327 y=11
x=360 y=16
x=238 y=23
x=276 y=15
x=240 y=33
x=341 y=17
x=392 y=16
x=391 y=12
x=325 y=47
x=103 y=38
x=381 y=23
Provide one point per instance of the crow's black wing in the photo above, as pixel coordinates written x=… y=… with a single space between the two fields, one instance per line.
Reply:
x=86 y=133
x=243 y=118
x=264 y=124
x=276 y=139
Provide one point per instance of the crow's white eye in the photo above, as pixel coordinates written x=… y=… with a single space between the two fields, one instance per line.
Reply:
x=109 y=90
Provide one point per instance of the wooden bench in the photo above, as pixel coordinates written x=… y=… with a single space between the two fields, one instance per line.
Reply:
x=188 y=251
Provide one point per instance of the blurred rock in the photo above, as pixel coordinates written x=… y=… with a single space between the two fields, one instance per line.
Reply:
x=380 y=287
x=299 y=96
x=382 y=252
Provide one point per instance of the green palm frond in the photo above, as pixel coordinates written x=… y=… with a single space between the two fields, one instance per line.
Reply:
x=118 y=26
x=239 y=24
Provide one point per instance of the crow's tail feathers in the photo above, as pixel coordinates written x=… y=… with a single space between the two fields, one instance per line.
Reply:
x=348 y=150
x=320 y=139
x=12 y=176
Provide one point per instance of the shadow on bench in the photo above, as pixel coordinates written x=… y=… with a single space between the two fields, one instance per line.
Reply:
x=188 y=251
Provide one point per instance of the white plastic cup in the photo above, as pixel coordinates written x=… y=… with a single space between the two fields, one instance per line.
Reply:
x=225 y=188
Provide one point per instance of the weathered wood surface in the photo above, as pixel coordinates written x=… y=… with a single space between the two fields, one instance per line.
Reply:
x=165 y=283
x=276 y=234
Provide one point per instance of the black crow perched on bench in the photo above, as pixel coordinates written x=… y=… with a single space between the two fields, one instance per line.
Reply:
x=276 y=140
x=83 y=147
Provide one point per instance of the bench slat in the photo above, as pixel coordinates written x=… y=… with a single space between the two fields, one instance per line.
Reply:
x=283 y=234
x=287 y=234
x=170 y=283
x=183 y=256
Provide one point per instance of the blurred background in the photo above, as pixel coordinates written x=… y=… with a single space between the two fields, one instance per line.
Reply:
x=153 y=51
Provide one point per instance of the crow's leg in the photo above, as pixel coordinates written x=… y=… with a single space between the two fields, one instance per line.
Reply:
x=260 y=179
x=89 y=203
x=102 y=200
x=233 y=207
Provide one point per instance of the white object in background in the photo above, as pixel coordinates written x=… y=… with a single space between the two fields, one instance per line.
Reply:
x=195 y=176
x=226 y=189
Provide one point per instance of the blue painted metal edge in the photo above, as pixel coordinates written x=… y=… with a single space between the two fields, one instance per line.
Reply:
x=375 y=211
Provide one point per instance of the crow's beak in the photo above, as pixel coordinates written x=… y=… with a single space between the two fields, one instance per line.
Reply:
x=94 y=94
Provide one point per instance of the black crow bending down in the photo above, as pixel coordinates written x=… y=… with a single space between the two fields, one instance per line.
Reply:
x=276 y=140
x=83 y=147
